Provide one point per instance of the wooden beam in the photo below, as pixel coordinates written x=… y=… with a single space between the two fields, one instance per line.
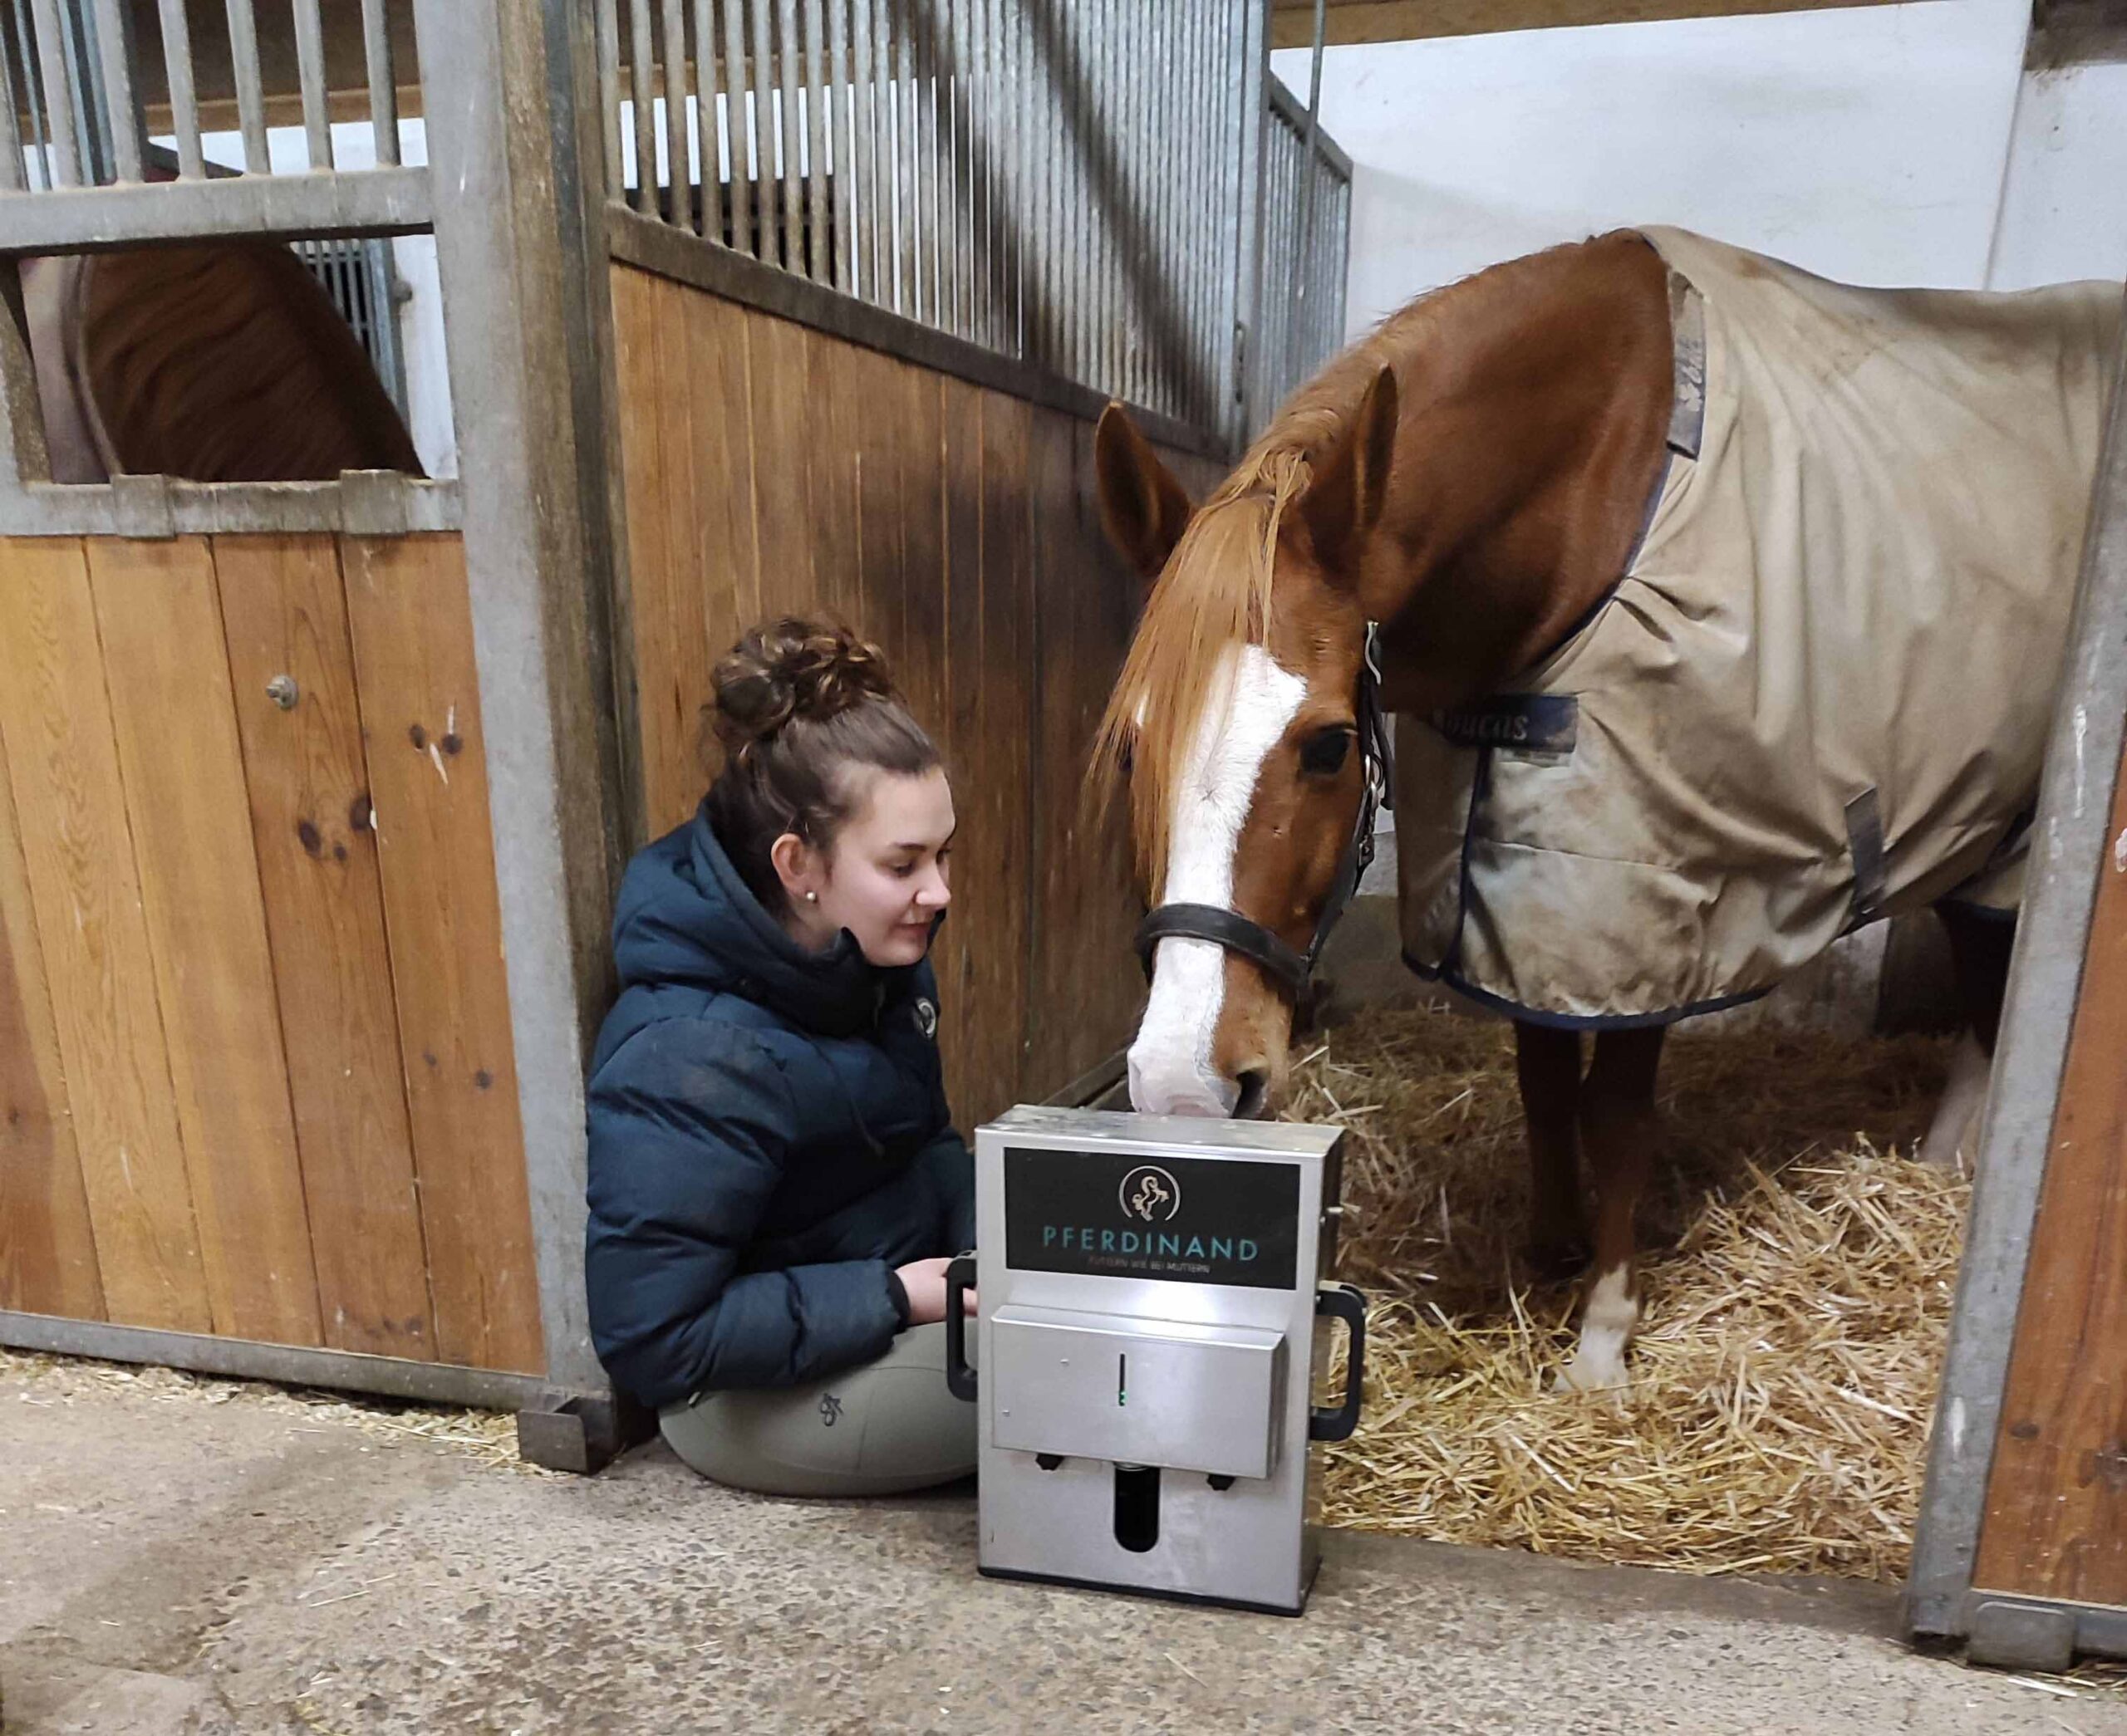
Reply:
x=1292 y=22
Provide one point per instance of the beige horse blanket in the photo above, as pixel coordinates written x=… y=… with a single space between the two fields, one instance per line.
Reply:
x=1820 y=693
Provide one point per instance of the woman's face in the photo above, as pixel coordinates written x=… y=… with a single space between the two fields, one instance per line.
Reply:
x=885 y=880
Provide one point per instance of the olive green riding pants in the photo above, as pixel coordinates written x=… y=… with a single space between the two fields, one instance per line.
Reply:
x=879 y=1429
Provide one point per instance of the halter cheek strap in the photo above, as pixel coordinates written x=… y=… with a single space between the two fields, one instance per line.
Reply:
x=1289 y=968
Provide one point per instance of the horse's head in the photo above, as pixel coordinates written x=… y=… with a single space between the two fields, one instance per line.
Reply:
x=1237 y=723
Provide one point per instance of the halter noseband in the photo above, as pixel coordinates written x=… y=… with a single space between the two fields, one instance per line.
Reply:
x=1282 y=963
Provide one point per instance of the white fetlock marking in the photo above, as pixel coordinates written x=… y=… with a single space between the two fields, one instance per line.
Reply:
x=1606 y=1324
x=1171 y=1068
x=1952 y=1141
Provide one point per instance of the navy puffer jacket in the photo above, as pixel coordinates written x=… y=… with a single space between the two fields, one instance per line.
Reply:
x=768 y=1140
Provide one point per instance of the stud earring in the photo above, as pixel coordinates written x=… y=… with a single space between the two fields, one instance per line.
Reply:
x=812 y=898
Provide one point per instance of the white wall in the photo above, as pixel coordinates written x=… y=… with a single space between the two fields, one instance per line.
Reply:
x=2064 y=202
x=1867 y=142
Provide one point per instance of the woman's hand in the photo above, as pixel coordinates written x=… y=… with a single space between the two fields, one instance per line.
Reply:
x=924 y=1282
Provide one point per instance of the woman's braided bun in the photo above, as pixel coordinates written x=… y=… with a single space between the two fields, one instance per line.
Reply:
x=803 y=709
x=792 y=669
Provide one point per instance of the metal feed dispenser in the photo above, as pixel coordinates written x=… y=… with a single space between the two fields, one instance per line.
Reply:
x=1154 y=1307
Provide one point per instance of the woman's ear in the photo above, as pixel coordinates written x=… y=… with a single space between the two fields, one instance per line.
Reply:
x=798 y=866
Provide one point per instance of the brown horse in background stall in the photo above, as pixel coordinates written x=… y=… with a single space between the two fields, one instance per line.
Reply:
x=1722 y=610
x=224 y=361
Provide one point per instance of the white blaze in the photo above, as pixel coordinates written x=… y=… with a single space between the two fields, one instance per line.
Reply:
x=1170 y=1070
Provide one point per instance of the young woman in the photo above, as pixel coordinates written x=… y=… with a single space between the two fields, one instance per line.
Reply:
x=775 y=1183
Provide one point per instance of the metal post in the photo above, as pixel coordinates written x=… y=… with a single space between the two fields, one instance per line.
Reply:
x=250 y=94
x=713 y=203
x=512 y=252
x=310 y=66
x=761 y=126
x=787 y=54
x=842 y=96
x=867 y=118
x=642 y=92
x=819 y=253
x=1249 y=76
x=383 y=85
x=905 y=152
x=114 y=47
x=14 y=174
x=749 y=219
x=609 y=96
x=58 y=92
x=680 y=215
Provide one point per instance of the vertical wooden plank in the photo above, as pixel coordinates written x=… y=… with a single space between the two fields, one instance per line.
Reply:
x=972 y=932
x=419 y=690
x=918 y=408
x=62 y=763
x=1005 y=718
x=684 y=662
x=640 y=301
x=176 y=719
x=833 y=418
x=783 y=506
x=721 y=430
x=47 y=1245
x=2056 y=1507
x=285 y=614
x=873 y=381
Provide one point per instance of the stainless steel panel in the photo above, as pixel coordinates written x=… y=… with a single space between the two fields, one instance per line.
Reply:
x=1136 y=1390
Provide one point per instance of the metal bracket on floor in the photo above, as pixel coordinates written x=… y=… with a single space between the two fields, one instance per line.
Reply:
x=582 y=1432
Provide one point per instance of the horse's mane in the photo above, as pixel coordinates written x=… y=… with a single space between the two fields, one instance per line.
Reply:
x=1215 y=595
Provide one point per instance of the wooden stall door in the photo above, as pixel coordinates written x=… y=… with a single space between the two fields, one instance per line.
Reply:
x=245 y=880
x=2056 y=1522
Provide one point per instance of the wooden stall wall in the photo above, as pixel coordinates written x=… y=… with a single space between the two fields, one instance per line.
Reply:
x=2055 y=1523
x=771 y=468
x=256 y=1077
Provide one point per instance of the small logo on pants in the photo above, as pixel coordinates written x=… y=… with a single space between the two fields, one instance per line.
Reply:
x=830 y=1410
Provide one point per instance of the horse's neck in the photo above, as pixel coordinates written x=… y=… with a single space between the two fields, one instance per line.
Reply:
x=1524 y=462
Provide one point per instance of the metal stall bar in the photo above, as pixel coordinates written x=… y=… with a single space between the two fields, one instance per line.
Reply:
x=928 y=251
x=384 y=89
x=841 y=101
x=642 y=93
x=956 y=202
x=905 y=292
x=746 y=208
x=819 y=253
x=58 y=93
x=14 y=96
x=708 y=125
x=609 y=95
x=121 y=109
x=310 y=66
x=788 y=52
x=1249 y=74
x=2082 y=759
x=26 y=59
x=761 y=124
x=867 y=115
x=250 y=91
x=681 y=212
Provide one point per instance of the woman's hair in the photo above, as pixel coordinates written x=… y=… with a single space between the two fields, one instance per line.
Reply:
x=802 y=706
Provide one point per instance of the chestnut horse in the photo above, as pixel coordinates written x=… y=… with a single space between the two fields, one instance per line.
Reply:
x=1463 y=490
x=223 y=361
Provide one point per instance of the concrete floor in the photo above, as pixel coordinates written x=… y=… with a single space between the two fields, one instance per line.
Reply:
x=179 y=1559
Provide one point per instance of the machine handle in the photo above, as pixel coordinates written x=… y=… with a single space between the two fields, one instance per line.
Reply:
x=1347 y=1305
x=960 y=1279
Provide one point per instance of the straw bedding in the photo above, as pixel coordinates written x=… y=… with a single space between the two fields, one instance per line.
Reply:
x=1799 y=1270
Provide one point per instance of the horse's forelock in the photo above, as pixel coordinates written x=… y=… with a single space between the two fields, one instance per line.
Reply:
x=1214 y=598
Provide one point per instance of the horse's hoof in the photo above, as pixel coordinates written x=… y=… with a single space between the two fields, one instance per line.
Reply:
x=1600 y=1377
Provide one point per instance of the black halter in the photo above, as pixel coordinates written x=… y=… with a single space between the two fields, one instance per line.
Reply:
x=1229 y=929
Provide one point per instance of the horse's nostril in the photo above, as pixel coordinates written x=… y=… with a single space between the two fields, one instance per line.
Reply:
x=1253 y=1085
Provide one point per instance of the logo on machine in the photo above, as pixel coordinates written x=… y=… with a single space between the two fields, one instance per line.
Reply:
x=1150 y=1194
x=1115 y=1216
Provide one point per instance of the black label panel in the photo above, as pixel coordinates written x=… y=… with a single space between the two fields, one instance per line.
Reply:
x=1179 y=1220
x=1532 y=723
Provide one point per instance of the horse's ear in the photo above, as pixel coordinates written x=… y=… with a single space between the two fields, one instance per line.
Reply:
x=1344 y=501
x=1142 y=508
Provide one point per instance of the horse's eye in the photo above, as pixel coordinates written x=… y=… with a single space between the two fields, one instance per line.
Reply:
x=1323 y=753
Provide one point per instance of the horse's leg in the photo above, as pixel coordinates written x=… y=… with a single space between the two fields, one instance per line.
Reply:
x=1617 y=1131
x=1979 y=955
x=1547 y=1065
